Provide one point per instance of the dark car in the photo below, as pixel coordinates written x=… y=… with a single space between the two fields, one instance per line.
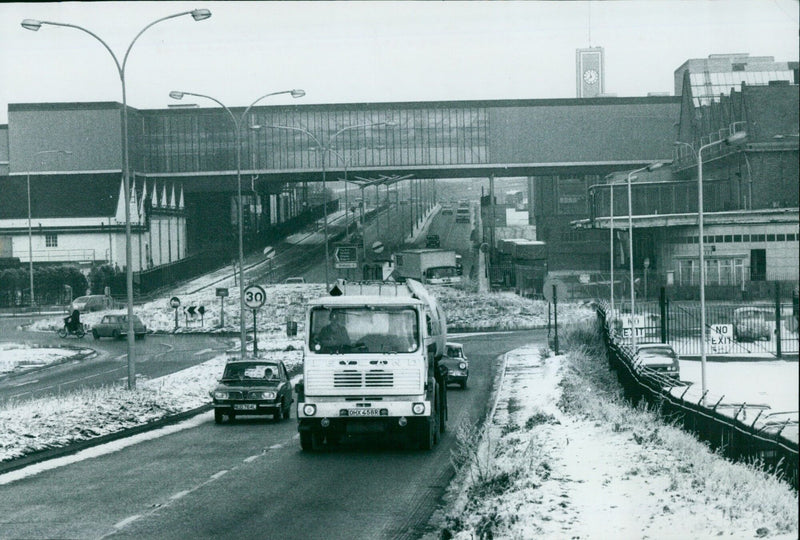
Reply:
x=658 y=357
x=116 y=326
x=92 y=302
x=456 y=363
x=254 y=387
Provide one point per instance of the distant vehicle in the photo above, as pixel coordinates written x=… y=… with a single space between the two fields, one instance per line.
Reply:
x=750 y=324
x=463 y=214
x=659 y=357
x=116 y=326
x=254 y=387
x=294 y=280
x=434 y=266
x=79 y=331
x=93 y=302
x=447 y=209
x=432 y=241
x=456 y=363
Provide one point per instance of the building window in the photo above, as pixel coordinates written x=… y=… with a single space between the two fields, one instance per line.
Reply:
x=572 y=198
x=719 y=271
x=51 y=240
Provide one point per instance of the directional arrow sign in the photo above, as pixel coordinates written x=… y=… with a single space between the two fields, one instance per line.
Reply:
x=345 y=257
x=190 y=310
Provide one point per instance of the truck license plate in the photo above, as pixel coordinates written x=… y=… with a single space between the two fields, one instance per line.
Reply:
x=244 y=407
x=363 y=412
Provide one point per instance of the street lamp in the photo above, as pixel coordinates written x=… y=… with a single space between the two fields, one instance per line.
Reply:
x=237 y=125
x=34 y=25
x=651 y=167
x=732 y=140
x=30 y=232
x=324 y=148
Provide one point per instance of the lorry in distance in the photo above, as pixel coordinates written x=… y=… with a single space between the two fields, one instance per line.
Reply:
x=434 y=266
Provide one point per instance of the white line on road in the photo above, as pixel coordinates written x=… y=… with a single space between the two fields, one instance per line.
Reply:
x=275 y=446
x=252 y=458
x=120 y=357
x=24 y=383
x=204 y=351
x=218 y=474
x=180 y=494
x=126 y=521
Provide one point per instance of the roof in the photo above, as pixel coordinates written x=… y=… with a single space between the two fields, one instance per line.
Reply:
x=365 y=300
x=60 y=195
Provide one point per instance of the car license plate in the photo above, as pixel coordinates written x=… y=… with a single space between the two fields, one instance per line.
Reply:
x=363 y=412
x=244 y=407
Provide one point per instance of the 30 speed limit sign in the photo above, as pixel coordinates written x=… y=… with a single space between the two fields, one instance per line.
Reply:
x=254 y=296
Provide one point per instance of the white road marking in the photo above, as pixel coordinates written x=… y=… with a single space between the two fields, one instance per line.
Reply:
x=252 y=458
x=126 y=521
x=120 y=357
x=275 y=446
x=204 y=351
x=180 y=494
x=219 y=474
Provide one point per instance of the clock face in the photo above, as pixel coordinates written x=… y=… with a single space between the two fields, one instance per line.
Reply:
x=590 y=76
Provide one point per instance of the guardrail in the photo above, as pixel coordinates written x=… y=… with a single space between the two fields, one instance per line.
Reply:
x=740 y=431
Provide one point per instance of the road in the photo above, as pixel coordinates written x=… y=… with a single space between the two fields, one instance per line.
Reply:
x=250 y=479
x=156 y=355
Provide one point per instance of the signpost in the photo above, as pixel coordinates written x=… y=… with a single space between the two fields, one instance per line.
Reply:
x=554 y=288
x=254 y=298
x=345 y=257
x=222 y=292
x=175 y=303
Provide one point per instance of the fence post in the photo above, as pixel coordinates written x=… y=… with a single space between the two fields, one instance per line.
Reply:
x=662 y=303
x=778 y=319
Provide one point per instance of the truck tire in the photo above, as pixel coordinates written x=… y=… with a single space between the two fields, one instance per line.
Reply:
x=217 y=416
x=306 y=441
x=442 y=408
x=427 y=434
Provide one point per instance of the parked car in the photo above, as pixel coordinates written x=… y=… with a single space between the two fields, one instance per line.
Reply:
x=294 y=280
x=116 y=326
x=659 y=357
x=253 y=387
x=750 y=324
x=92 y=302
x=456 y=363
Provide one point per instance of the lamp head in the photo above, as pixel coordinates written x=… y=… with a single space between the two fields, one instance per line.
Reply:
x=31 y=24
x=200 y=14
x=736 y=139
x=298 y=93
x=175 y=94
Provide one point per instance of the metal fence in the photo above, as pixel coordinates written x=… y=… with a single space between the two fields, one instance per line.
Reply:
x=740 y=431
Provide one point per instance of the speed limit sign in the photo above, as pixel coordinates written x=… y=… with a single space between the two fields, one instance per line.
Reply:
x=254 y=296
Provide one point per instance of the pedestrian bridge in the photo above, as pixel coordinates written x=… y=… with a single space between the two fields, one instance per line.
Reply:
x=458 y=139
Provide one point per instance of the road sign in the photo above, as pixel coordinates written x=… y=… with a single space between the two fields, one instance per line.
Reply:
x=377 y=247
x=269 y=252
x=721 y=338
x=222 y=291
x=254 y=296
x=561 y=290
x=174 y=302
x=345 y=257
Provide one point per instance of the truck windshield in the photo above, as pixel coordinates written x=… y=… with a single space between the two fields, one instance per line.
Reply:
x=363 y=330
x=441 y=272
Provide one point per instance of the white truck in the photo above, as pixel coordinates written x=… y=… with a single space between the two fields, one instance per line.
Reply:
x=379 y=372
x=434 y=266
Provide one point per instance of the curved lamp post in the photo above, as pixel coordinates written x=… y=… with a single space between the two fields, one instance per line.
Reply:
x=651 y=167
x=324 y=148
x=34 y=25
x=237 y=126
x=30 y=231
x=733 y=140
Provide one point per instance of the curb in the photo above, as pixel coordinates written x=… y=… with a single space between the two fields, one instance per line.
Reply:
x=66 y=359
x=73 y=448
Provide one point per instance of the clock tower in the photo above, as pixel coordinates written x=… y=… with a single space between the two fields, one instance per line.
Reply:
x=590 y=72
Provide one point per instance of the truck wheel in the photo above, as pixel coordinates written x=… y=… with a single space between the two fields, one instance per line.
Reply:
x=443 y=410
x=306 y=441
x=464 y=385
x=287 y=412
x=427 y=434
x=217 y=416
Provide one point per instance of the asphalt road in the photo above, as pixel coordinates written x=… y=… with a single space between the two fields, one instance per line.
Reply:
x=156 y=355
x=249 y=479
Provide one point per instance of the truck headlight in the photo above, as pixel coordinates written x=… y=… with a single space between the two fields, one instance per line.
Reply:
x=418 y=408
x=220 y=395
x=462 y=365
x=309 y=410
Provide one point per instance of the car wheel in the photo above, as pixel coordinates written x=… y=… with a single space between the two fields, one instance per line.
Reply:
x=464 y=384
x=95 y=335
x=115 y=334
x=217 y=416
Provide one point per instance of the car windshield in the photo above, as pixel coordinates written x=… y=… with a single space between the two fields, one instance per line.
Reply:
x=363 y=329
x=454 y=352
x=251 y=372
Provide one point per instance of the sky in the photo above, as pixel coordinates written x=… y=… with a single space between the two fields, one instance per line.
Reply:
x=360 y=52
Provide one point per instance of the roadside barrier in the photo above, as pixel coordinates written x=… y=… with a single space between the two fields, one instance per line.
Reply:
x=740 y=431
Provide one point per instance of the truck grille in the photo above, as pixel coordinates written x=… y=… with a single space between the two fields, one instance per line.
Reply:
x=343 y=382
